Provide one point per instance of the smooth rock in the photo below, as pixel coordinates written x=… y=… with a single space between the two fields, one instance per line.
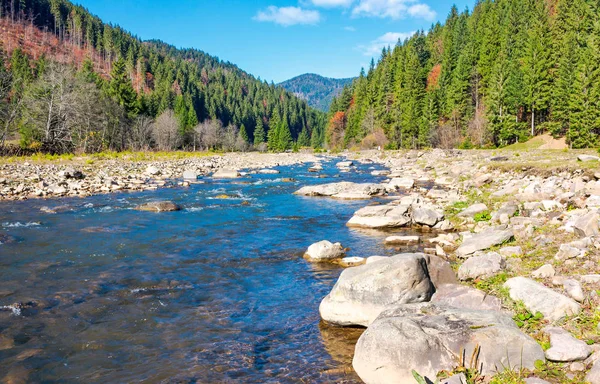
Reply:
x=159 y=206
x=511 y=251
x=539 y=298
x=573 y=289
x=428 y=338
x=564 y=347
x=152 y=171
x=324 y=251
x=343 y=190
x=544 y=272
x=426 y=216
x=401 y=183
x=226 y=174
x=586 y=225
x=473 y=210
x=586 y=158
x=482 y=267
x=462 y=296
x=593 y=376
x=402 y=239
x=353 y=261
x=381 y=216
x=363 y=292
x=190 y=175
x=484 y=240
x=567 y=252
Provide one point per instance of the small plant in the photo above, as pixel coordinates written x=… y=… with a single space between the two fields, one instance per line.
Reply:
x=482 y=216
x=526 y=319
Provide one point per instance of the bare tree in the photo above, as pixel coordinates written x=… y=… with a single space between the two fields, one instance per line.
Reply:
x=208 y=134
x=230 y=138
x=10 y=106
x=140 y=138
x=165 y=131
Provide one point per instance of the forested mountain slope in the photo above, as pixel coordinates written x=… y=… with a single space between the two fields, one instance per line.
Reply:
x=507 y=70
x=317 y=90
x=214 y=103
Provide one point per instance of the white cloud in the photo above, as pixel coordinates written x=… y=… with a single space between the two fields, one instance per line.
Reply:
x=332 y=3
x=350 y=29
x=394 y=9
x=389 y=39
x=288 y=16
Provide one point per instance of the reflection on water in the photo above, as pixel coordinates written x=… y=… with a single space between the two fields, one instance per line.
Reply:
x=218 y=292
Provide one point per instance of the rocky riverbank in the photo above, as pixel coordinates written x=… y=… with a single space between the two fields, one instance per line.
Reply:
x=84 y=177
x=506 y=291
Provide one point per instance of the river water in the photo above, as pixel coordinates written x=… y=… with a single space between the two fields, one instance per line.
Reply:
x=216 y=293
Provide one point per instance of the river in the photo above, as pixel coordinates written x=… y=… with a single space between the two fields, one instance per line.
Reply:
x=218 y=292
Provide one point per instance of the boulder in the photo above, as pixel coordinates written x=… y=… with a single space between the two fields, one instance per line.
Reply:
x=190 y=175
x=593 y=376
x=402 y=240
x=381 y=216
x=544 y=272
x=566 y=252
x=344 y=164
x=429 y=337
x=564 y=347
x=462 y=296
x=484 y=240
x=511 y=251
x=538 y=298
x=482 y=267
x=401 y=183
x=440 y=271
x=587 y=225
x=226 y=174
x=353 y=261
x=159 y=206
x=268 y=172
x=426 y=216
x=586 y=158
x=343 y=190
x=152 y=171
x=324 y=251
x=574 y=290
x=473 y=210
x=363 y=292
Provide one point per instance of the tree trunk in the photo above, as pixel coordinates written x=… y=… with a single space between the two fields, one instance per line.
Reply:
x=532 y=121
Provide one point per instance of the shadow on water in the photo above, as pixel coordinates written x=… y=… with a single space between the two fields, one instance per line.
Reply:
x=218 y=292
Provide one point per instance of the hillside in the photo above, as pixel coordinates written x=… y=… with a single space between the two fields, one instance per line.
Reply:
x=317 y=90
x=499 y=74
x=187 y=85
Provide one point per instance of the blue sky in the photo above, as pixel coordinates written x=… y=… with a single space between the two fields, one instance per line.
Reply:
x=278 y=39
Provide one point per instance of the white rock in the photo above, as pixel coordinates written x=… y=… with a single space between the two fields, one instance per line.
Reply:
x=538 y=298
x=564 y=347
x=402 y=239
x=544 y=271
x=481 y=267
x=324 y=251
x=573 y=288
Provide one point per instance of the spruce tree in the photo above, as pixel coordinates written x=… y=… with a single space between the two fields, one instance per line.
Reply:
x=259 y=132
x=121 y=90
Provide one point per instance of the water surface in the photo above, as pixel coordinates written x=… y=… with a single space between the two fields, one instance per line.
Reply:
x=218 y=292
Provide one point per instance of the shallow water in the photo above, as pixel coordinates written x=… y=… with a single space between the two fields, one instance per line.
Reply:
x=218 y=292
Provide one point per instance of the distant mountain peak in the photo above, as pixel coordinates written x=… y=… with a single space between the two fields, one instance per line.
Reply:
x=317 y=90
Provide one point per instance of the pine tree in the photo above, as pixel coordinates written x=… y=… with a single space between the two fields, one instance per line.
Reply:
x=121 y=90
x=303 y=139
x=243 y=134
x=259 y=132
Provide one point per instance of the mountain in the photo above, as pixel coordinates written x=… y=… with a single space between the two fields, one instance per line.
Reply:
x=491 y=76
x=317 y=90
x=139 y=79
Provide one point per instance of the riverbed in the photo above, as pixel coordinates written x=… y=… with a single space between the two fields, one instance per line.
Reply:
x=217 y=292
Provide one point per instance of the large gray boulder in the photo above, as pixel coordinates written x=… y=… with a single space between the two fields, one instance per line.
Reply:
x=324 y=251
x=587 y=225
x=226 y=174
x=159 y=206
x=429 y=338
x=539 y=298
x=481 y=267
x=343 y=190
x=593 y=376
x=426 y=216
x=462 y=296
x=473 y=210
x=564 y=347
x=381 y=216
x=363 y=292
x=484 y=240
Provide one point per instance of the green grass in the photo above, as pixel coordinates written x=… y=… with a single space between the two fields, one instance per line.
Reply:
x=108 y=155
x=534 y=143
